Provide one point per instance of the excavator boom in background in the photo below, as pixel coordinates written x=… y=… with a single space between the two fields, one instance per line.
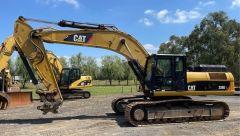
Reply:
x=166 y=84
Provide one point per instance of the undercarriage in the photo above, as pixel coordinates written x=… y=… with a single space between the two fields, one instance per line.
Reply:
x=75 y=94
x=140 y=112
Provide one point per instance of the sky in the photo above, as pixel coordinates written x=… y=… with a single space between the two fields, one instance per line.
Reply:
x=151 y=22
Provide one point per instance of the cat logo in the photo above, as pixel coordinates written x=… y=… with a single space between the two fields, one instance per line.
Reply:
x=191 y=87
x=79 y=37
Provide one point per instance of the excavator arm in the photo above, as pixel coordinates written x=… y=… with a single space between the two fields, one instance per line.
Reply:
x=29 y=44
x=33 y=54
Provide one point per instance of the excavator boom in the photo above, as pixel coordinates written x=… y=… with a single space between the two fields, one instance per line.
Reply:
x=32 y=53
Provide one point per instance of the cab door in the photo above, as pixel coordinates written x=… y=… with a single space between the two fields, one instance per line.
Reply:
x=162 y=77
x=179 y=77
x=64 y=78
x=74 y=75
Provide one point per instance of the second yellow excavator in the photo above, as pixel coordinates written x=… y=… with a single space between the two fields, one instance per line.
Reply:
x=70 y=80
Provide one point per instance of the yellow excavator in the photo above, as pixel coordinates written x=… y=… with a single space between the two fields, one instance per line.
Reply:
x=70 y=80
x=166 y=84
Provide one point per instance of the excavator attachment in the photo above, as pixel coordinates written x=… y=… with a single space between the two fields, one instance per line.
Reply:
x=4 y=100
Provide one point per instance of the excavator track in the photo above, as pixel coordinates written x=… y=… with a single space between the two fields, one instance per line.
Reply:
x=119 y=104
x=4 y=100
x=76 y=94
x=174 y=111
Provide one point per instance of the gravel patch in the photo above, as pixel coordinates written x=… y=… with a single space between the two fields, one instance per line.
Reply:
x=94 y=117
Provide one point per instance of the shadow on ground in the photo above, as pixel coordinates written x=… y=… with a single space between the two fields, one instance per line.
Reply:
x=121 y=121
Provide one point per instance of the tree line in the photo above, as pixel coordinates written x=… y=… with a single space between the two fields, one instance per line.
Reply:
x=216 y=40
x=111 y=68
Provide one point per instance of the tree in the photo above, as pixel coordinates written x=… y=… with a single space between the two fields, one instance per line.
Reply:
x=63 y=61
x=111 y=68
x=128 y=73
x=11 y=67
x=107 y=69
x=119 y=69
x=216 y=40
x=90 y=67
x=21 y=71
x=76 y=60
x=173 y=46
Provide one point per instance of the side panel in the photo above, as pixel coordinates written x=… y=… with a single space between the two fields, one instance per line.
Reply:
x=200 y=83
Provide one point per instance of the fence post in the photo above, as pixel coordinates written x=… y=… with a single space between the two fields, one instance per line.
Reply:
x=136 y=87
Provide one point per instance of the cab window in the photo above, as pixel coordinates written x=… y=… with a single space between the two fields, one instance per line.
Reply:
x=64 y=77
x=149 y=69
x=75 y=74
x=163 y=68
x=179 y=65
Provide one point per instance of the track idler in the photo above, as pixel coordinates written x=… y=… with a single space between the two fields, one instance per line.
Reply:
x=119 y=104
x=4 y=100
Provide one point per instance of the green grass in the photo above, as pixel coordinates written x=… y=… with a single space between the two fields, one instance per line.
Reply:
x=100 y=90
x=100 y=87
x=109 y=90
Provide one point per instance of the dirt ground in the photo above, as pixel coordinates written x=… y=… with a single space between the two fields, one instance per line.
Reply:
x=94 y=116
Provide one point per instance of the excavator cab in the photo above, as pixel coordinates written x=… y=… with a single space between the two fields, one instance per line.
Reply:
x=68 y=76
x=166 y=72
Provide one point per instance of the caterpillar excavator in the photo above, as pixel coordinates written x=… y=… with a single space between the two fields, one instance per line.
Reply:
x=166 y=83
x=70 y=81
